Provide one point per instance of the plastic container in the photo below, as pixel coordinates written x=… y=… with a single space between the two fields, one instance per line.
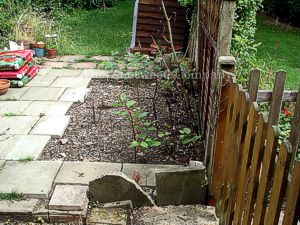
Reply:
x=39 y=52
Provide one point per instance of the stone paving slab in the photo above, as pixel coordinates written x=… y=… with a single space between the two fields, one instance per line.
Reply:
x=84 y=65
x=74 y=94
x=71 y=82
x=94 y=73
x=47 y=108
x=17 y=124
x=23 y=206
x=43 y=94
x=54 y=65
x=42 y=81
x=51 y=125
x=102 y=58
x=145 y=171
x=33 y=179
x=28 y=146
x=84 y=172
x=14 y=94
x=7 y=142
x=64 y=73
x=14 y=107
x=44 y=71
x=70 y=58
x=69 y=198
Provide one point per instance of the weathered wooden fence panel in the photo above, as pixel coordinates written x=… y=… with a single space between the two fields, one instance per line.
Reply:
x=254 y=187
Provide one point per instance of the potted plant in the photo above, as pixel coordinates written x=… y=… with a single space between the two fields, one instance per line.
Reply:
x=4 y=85
x=51 y=46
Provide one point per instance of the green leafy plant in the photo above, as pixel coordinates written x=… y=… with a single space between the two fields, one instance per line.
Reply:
x=13 y=196
x=10 y=114
x=187 y=137
x=143 y=131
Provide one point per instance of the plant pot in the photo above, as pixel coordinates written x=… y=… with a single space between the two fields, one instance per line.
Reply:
x=38 y=45
x=39 y=52
x=4 y=85
x=52 y=53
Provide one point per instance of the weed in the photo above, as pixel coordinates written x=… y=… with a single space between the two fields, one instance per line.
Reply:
x=10 y=114
x=27 y=159
x=13 y=196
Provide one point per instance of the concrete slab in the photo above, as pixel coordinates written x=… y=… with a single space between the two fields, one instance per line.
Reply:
x=59 y=65
x=43 y=94
x=47 y=108
x=94 y=73
x=102 y=58
x=17 y=124
x=28 y=146
x=7 y=142
x=145 y=171
x=65 y=73
x=84 y=65
x=74 y=95
x=13 y=107
x=14 y=94
x=33 y=179
x=71 y=82
x=71 y=58
x=84 y=172
x=44 y=71
x=69 y=198
x=42 y=81
x=51 y=125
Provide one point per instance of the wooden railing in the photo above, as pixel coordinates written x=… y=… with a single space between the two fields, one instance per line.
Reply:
x=254 y=179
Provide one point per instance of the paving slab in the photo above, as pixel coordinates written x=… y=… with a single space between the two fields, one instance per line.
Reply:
x=69 y=198
x=7 y=142
x=64 y=73
x=71 y=82
x=51 y=125
x=47 y=108
x=17 y=210
x=28 y=146
x=84 y=172
x=14 y=94
x=71 y=58
x=146 y=172
x=94 y=73
x=74 y=95
x=60 y=65
x=17 y=124
x=102 y=58
x=42 y=81
x=32 y=179
x=13 y=107
x=44 y=71
x=84 y=65
x=43 y=94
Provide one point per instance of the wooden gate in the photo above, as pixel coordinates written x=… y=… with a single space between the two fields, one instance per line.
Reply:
x=260 y=178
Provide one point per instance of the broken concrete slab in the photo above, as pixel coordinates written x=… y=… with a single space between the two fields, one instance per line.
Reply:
x=121 y=205
x=33 y=179
x=74 y=95
x=17 y=210
x=51 y=125
x=47 y=108
x=42 y=81
x=95 y=73
x=17 y=124
x=118 y=187
x=65 y=73
x=71 y=82
x=14 y=94
x=176 y=215
x=43 y=94
x=69 y=198
x=28 y=147
x=84 y=172
x=184 y=186
x=108 y=216
x=145 y=171
x=13 y=107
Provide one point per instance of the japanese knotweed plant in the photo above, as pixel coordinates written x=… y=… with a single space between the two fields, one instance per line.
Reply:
x=143 y=131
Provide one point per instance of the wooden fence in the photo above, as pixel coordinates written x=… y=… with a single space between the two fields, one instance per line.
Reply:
x=254 y=179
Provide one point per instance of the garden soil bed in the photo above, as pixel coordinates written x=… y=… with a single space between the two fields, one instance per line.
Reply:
x=95 y=133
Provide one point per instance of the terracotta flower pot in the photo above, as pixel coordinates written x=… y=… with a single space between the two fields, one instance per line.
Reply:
x=4 y=85
x=52 y=53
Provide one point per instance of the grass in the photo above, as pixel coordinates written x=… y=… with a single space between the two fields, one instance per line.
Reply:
x=13 y=196
x=96 y=32
x=280 y=44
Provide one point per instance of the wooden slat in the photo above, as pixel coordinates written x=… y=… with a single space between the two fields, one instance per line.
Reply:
x=255 y=167
x=158 y=2
x=254 y=84
x=250 y=134
x=266 y=96
x=279 y=184
x=158 y=8
x=155 y=34
x=295 y=130
x=152 y=21
x=155 y=15
x=276 y=102
x=266 y=176
x=292 y=196
x=159 y=29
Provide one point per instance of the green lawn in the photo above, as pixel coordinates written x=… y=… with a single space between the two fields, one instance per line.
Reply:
x=100 y=33
x=282 y=45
